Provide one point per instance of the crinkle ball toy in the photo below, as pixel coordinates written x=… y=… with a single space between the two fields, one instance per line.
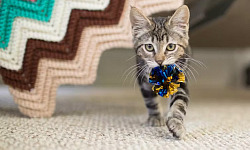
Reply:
x=166 y=79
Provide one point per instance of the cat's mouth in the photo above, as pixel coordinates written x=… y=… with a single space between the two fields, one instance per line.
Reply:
x=153 y=63
x=158 y=65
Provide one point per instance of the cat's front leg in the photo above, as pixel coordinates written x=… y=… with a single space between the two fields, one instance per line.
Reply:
x=155 y=118
x=177 y=112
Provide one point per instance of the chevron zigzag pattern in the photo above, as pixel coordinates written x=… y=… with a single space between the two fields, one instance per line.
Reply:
x=36 y=49
x=25 y=78
x=51 y=73
x=23 y=29
x=41 y=10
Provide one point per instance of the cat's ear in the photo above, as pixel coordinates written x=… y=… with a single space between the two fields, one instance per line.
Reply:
x=180 y=20
x=140 y=23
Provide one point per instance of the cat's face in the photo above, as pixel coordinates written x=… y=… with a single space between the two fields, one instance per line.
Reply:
x=160 y=41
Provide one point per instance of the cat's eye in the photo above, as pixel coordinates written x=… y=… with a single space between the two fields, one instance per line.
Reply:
x=149 y=47
x=171 y=47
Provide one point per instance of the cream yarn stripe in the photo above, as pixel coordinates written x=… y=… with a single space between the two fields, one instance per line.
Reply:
x=40 y=101
x=54 y=30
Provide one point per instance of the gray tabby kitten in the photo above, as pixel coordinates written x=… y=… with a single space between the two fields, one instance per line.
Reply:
x=161 y=41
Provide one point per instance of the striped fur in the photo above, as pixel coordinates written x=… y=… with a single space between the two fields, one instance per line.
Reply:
x=159 y=32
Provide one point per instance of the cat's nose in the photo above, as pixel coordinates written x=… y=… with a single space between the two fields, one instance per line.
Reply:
x=159 y=61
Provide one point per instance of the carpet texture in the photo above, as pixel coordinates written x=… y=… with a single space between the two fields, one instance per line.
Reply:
x=97 y=118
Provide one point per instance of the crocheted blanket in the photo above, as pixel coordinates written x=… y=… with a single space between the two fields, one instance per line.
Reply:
x=11 y=9
x=46 y=43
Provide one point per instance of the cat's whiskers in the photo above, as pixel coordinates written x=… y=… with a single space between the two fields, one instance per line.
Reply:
x=192 y=73
x=181 y=67
x=188 y=65
x=139 y=75
x=133 y=68
x=151 y=64
x=131 y=58
x=195 y=60
x=134 y=75
x=198 y=64
x=186 y=73
x=169 y=59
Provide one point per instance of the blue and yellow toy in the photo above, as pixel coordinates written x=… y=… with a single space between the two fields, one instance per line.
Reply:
x=166 y=79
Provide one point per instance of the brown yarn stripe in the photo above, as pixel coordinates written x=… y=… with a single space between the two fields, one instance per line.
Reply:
x=65 y=50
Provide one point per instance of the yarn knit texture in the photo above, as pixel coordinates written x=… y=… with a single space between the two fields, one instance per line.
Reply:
x=54 y=30
x=67 y=49
x=41 y=10
x=112 y=119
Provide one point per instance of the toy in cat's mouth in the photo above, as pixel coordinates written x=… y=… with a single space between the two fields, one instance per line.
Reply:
x=166 y=79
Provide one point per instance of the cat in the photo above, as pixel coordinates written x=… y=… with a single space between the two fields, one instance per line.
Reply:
x=162 y=41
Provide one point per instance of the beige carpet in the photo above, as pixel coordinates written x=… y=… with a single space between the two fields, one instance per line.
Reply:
x=111 y=118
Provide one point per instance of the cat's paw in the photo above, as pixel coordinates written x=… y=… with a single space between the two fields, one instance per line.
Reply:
x=155 y=121
x=176 y=127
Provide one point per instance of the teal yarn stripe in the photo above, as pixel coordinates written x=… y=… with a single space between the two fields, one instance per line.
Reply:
x=40 y=10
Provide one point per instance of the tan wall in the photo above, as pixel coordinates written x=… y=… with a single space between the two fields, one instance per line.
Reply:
x=231 y=30
x=222 y=67
x=219 y=72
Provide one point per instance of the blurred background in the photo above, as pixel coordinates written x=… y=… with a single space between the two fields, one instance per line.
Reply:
x=219 y=37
